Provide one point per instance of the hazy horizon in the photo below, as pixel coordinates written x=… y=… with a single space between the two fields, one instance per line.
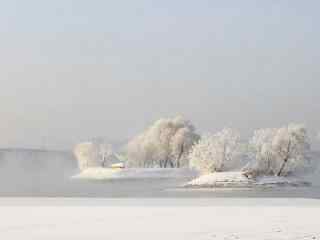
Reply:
x=72 y=70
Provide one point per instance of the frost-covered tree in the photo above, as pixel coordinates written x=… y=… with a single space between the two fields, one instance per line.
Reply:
x=141 y=152
x=261 y=152
x=93 y=154
x=105 y=152
x=215 y=152
x=165 y=144
x=278 y=151
x=180 y=144
x=87 y=155
x=290 y=145
x=204 y=156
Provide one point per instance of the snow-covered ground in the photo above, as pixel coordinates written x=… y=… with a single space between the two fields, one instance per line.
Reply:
x=176 y=219
x=237 y=179
x=134 y=173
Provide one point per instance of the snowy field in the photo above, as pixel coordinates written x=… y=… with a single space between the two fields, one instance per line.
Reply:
x=176 y=219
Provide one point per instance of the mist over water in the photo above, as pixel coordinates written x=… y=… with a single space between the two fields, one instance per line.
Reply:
x=159 y=120
x=30 y=172
x=72 y=71
x=39 y=173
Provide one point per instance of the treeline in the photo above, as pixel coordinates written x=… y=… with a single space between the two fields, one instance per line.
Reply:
x=174 y=143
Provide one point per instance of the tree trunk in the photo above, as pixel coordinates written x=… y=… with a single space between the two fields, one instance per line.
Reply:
x=171 y=164
x=165 y=163
x=103 y=162
x=225 y=158
x=282 y=167
x=179 y=157
x=285 y=160
x=178 y=164
x=160 y=163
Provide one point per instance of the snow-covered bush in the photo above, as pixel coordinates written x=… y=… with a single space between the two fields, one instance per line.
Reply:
x=93 y=154
x=165 y=144
x=278 y=151
x=215 y=152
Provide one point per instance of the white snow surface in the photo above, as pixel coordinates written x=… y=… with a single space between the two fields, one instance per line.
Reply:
x=219 y=219
x=134 y=173
x=237 y=179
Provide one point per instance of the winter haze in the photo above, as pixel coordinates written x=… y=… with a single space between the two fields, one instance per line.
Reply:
x=71 y=70
x=159 y=119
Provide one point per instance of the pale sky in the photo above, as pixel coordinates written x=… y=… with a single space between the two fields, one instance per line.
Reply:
x=71 y=70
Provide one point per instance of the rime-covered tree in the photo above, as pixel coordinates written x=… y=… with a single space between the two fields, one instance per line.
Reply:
x=290 y=145
x=105 y=153
x=93 y=154
x=278 y=151
x=87 y=155
x=215 y=152
x=165 y=144
x=261 y=152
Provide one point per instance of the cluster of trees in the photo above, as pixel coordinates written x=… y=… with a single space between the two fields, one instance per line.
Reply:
x=277 y=151
x=166 y=143
x=174 y=143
